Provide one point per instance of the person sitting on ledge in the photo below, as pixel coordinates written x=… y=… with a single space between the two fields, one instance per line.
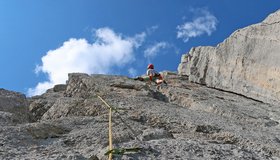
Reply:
x=152 y=75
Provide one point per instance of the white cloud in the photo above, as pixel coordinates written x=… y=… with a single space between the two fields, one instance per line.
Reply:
x=78 y=55
x=132 y=72
x=138 y=39
x=40 y=88
x=205 y=23
x=154 y=50
x=152 y=29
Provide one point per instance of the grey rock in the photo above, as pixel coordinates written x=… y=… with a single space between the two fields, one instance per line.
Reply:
x=39 y=105
x=182 y=120
x=153 y=134
x=247 y=62
x=7 y=118
x=13 y=107
x=45 y=130
x=59 y=88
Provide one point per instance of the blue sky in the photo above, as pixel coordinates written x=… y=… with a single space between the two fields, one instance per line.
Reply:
x=41 y=41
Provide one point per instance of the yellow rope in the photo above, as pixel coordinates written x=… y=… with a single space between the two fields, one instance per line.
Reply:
x=110 y=127
x=110 y=134
x=123 y=150
x=104 y=102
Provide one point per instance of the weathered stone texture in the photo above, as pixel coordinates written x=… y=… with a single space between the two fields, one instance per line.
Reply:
x=13 y=107
x=247 y=62
x=181 y=120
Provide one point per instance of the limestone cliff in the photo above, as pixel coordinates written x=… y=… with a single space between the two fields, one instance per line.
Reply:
x=182 y=120
x=246 y=63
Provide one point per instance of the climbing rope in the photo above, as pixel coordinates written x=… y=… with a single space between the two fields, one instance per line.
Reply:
x=110 y=127
x=118 y=151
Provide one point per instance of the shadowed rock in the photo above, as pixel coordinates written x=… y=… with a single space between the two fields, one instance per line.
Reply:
x=13 y=107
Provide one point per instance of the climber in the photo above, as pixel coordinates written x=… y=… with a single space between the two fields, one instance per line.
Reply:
x=152 y=75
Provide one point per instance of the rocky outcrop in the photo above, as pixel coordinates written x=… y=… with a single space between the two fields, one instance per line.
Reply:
x=13 y=107
x=39 y=105
x=182 y=120
x=246 y=63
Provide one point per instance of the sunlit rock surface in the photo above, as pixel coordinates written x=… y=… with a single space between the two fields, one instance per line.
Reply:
x=247 y=62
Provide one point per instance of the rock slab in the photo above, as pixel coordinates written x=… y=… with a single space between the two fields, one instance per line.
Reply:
x=247 y=62
x=182 y=120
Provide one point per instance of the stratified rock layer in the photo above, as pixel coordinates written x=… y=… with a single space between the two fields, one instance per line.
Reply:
x=247 y=62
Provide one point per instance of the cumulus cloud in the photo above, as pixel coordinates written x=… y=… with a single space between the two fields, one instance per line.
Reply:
x=154 y=50
x=204 y=24
x=78 y=55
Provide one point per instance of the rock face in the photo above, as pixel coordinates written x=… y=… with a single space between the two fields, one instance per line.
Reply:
x=247 y=62
x=13 y=107
x=182 y=120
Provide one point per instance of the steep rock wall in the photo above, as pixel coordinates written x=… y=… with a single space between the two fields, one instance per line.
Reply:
x=248 y=62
